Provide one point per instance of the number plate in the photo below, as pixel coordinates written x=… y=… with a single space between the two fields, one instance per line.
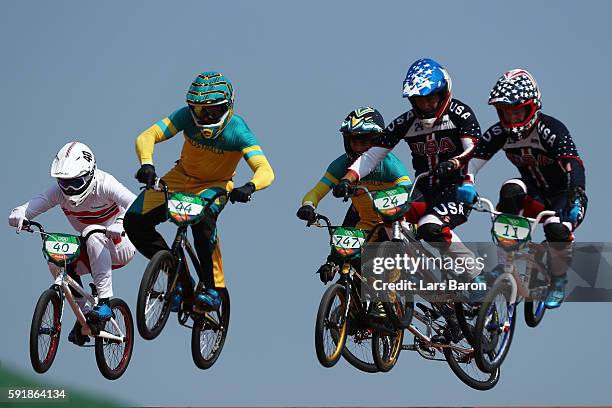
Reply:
x=511 y=231
x=347 y=242
x=391 y=204
x=61 y=249
x=185 y=208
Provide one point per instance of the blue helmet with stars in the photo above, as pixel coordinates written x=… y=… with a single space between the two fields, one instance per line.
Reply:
x=427 y=77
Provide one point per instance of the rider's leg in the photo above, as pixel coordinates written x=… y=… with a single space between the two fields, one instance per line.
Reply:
x=206 y=242
x=441 y=236
x=144 y=214
x=98 y=248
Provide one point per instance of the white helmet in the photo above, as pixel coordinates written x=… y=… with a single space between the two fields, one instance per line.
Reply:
x=74 y=168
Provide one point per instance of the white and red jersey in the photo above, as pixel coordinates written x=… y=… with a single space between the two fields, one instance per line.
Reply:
x=106 y=204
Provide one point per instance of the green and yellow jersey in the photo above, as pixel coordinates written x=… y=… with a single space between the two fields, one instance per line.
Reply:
x=388 y=173
x=209 y=161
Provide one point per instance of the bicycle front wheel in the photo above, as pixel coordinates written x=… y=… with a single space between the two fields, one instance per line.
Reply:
x=209 y=333
x=45 y=331
x=331 y=325
x=153 y=302
x=112 y=356
x=494 y=327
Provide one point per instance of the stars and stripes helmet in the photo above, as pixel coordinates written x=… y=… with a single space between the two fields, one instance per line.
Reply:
x=517 y=89
x=211 y=102
x=361 y=123
x=74 y=167
x=427 y=77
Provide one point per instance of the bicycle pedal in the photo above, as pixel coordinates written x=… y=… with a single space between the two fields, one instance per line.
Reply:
x=409 y=347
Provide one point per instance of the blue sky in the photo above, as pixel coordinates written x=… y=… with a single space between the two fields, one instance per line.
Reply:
x=102 y=72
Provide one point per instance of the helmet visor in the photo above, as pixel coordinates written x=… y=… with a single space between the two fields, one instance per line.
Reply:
x=514 y=116
x=75 y=185
x=209 y=114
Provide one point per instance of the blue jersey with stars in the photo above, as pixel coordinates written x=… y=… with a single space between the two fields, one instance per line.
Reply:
x=547 y=157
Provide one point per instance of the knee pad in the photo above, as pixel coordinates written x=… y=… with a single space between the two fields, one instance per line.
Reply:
x=431 y=232
x=511 y=197
x=557 y=232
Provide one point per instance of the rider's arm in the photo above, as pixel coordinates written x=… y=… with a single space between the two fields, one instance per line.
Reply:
x=368 y=161
x=397 y=172
x=263 y=175
x=160 y=131
x=42 y=202
x=331 y=177
x=469 y=131
x=490 y=143
x=566 y=153
x=118 y=193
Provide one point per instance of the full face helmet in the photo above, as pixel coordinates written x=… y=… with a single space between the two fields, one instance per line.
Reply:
x=360 y=126
x=516 y=97
x=211 y=102
x=74 y=169
x=427 y=78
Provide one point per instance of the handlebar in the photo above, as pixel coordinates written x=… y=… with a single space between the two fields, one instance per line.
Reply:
x=27 y=226
x=160 y=185
x=483 y=202
x=410 y=193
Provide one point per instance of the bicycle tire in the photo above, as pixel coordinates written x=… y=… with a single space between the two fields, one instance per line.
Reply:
x=149 y=278
x=486 y=338
x=201 y=325
x=322 y=323
x=121 y=314
x=464 y=375
x=48 y=297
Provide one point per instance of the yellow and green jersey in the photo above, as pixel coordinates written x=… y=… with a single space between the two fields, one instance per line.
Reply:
x=388 y=173
x=208 y=160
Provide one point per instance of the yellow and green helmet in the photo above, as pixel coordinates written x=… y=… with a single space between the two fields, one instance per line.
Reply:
x=211 y=102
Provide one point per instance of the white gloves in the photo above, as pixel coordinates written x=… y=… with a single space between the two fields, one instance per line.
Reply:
x=17 y=217
x=115 y=231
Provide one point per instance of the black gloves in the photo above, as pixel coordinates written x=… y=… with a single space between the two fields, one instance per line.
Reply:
x=146 y=175
x=343 y=189
x=306 y=213
x=242 y=194
x=445 y=169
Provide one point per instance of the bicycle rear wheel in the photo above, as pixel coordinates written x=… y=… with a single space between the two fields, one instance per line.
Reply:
x=113 y=357
x=463 y=365
x=386 y=349
x=45 y=331
x=534 y=313
x=208 y=338
x=357 y=349
x=331 y=325
x=154 y=301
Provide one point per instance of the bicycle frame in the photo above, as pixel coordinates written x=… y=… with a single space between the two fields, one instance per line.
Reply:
x=519 y=288
x=180 y=245
x=64 y=283
x=399 y=233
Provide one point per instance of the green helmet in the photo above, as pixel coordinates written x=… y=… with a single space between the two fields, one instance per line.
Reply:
x=211 y=101
x=364 y=122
